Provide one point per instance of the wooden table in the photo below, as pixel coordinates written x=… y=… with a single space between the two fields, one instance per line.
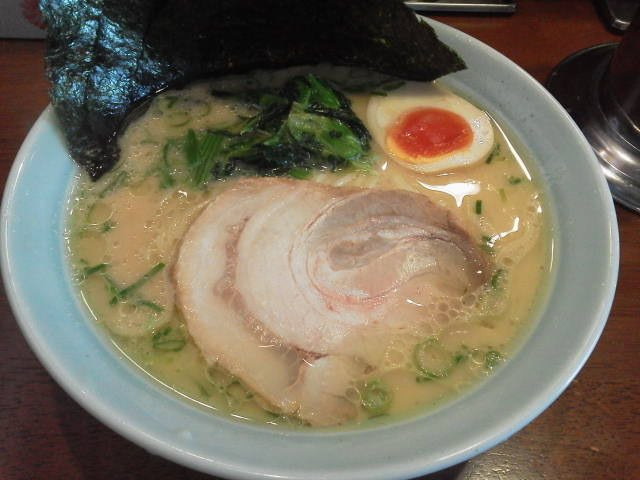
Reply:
x=591 y=432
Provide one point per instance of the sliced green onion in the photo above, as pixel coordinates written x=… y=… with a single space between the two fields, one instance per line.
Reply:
x=99 y=268
x=112 y=288
x=488 y=243
x=170 y=345
x=479 y=207
x=177 y=118
x=492 y=359
x=191 y=147
x=494 y=153
x=107 y=226
x=300 y=173
x=121 y=294
x=116 y=182
x=376 y=397
x=166 y=340
x=207 y=151
x=514 y=180
x=432 y=360
x=497 y=279
x=149 y=304
x=167 y=102
x=203 y=391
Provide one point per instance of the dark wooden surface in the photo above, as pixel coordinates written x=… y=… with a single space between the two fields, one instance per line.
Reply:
x=591 y=432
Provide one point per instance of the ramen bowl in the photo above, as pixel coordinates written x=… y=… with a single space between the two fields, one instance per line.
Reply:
x=565 y=325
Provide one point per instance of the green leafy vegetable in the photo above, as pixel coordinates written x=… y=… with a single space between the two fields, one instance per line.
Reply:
x=376 y=397
x=104 y=56
x=202 y=156
x=303 y=125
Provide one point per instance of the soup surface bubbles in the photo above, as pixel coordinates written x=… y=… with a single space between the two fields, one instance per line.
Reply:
x=438 y=333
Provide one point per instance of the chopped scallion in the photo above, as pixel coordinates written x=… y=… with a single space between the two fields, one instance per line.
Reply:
x=121 y=294
x=168 y=339
x=120 y=178
x=488 y=243
x=494 y=153
x=149 y=304
x=376 y=397
x=300 y=173
x=107 y=226
x=144 y=279
x=479 y=207
x=99 y=268
x=514 y=180
x=431 y=360
x=492 y=359
x=497 y=279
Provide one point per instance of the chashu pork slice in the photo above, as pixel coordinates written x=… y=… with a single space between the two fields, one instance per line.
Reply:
x=276 y=278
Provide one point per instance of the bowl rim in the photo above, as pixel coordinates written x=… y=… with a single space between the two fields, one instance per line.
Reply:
x=178 y=448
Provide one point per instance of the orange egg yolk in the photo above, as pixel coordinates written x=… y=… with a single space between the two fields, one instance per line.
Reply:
x=429 y=132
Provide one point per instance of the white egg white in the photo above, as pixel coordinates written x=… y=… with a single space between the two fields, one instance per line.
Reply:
x=383 y=112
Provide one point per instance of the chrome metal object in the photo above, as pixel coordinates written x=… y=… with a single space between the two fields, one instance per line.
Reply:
x=600 y=88
x=496 y=6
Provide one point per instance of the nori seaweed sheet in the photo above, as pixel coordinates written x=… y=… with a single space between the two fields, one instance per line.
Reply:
x=104 y=56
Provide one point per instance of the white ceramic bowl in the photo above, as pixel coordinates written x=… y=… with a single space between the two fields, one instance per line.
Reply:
x=568 y=325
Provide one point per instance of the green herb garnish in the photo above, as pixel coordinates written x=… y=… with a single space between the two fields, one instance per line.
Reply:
x=514 y=180
x=492 y=359
x=99 y=268
x=478 y=207
x=300 y=173
x=118 y=180
x=204 y=393
x=119 y=294
x=432 y=360
x=149 y=304
x=125 y=292
x=494 y=153
x=488 y=243
x=376 y=397
x=168 y=339
x=107 y=226
x=90 y=270
x=498 y=278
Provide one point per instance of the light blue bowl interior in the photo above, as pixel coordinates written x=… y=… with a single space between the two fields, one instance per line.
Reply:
x=568 y=326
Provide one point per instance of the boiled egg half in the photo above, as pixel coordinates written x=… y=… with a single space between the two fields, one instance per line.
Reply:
x=426 y=128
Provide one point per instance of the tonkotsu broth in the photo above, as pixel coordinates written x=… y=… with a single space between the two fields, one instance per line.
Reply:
x=127 y=225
